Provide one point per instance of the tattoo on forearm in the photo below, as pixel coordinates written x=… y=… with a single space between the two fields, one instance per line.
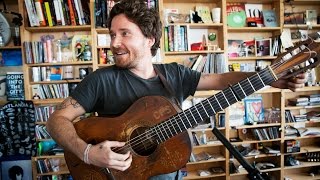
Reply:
x=66 y=102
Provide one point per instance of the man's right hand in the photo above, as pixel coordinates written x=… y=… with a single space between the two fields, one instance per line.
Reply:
x=102 y=155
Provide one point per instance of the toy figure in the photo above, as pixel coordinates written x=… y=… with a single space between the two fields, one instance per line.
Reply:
x=86 y=55
x=78 y=48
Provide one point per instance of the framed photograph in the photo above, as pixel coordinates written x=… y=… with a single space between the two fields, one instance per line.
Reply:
x=263 y=47
x=294 y=18
x=253 y=110
x=16 y=169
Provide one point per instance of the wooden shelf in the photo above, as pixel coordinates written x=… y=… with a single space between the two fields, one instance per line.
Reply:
x=303 y=164
x=220 y=158
x=305 y=149
x=58 y=29
x=300 y=26
x=253 y=29
x=47 y=101
x=258 y=126
x=57 y=82
x=195 y=175
x=48 y=156
x=102 y=30
x=53 y=173
x=199 y=25
x=61 y=63
x=255 y=141
x=10 y=47
x=192 y=52
x=252 y=58
x=305 y=176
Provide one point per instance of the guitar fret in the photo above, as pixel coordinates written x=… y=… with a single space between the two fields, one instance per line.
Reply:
x=186 y=116
x=184 y=125
x=156 y=132
x=225 y=98
x=218 y=102
x=261 y=79
x=165 y=131
x=178 y=125
x=174 y=128
x=204 y=109
x=234 y=95
x=242 y=90
x=211 y=106
x=195 y=120
x=251 y=84
x=168 y=128
x=161 y=133
x=199 y=113
x=187 y=120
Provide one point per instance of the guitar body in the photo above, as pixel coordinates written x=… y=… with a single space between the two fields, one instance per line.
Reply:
x=155 y=159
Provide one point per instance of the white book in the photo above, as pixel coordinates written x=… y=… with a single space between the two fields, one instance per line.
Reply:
x=196 y=64
x=36 y=77
x=76 y=4
x=57 y=12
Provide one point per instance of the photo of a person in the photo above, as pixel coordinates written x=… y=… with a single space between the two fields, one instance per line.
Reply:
x=16 y=170
x=15 y=173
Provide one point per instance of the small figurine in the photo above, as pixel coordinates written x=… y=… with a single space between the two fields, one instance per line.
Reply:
x=78 y=50
x=196 y=18
x=86 y=55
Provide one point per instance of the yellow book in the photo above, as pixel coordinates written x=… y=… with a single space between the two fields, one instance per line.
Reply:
x=48 y=12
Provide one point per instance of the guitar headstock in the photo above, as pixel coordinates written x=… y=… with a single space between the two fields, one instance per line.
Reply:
x=297 y=59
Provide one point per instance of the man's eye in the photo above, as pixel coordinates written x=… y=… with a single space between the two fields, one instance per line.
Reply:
x=125 y=33
x=112 y=36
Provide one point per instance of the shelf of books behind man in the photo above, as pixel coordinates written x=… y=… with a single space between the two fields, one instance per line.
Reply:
x=301 y=132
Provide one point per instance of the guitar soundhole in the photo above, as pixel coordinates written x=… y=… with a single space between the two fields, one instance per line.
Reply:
x=142 y=142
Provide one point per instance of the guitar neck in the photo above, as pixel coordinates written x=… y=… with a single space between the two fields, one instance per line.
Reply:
x=210 y=106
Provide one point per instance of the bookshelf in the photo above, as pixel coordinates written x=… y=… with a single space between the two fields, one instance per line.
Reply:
x=54 y=90
x=271 y=97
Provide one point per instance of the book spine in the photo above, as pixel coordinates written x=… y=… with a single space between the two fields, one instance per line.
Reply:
x=48 y=13
x=72 y=16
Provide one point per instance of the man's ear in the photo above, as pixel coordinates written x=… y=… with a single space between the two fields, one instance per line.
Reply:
x=151 y=41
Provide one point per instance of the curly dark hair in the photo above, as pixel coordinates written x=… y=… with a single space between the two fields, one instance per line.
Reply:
x=147 y=19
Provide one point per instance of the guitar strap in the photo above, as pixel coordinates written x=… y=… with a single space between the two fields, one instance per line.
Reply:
x=167 y=87
x=172 y=94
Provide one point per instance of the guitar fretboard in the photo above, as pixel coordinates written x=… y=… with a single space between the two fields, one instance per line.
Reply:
x=212 y=105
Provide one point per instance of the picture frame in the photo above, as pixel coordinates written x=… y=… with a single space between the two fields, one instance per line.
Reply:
x=16 y=168
x=254 y=113
x=294 y=18
x=263 y=47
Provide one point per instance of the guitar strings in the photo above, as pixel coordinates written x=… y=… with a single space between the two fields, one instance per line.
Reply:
x=137 y=141
x=133 y=142
x=173 y=118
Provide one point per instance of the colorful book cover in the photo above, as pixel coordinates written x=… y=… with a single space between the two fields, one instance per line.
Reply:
x=55 y=73
x=263 y=47
x=15 y=86
x=235 y=48
x=269 y=18
x=236 y=15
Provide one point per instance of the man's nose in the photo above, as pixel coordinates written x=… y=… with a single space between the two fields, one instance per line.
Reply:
x=116 y=42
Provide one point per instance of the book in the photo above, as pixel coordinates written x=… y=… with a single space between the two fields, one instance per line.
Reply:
x=15 y=86
x=55 y=73
x=236 y=15
x=263 y=47
x=235 y=48
x=269 y=18
x=311 y=17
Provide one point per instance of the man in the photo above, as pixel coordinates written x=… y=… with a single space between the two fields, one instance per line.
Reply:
x=135 y=34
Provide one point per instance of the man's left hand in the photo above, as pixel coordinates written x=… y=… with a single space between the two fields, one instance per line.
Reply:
x=291 y=83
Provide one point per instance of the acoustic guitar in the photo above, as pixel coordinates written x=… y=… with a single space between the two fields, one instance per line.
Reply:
x=155 y=131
